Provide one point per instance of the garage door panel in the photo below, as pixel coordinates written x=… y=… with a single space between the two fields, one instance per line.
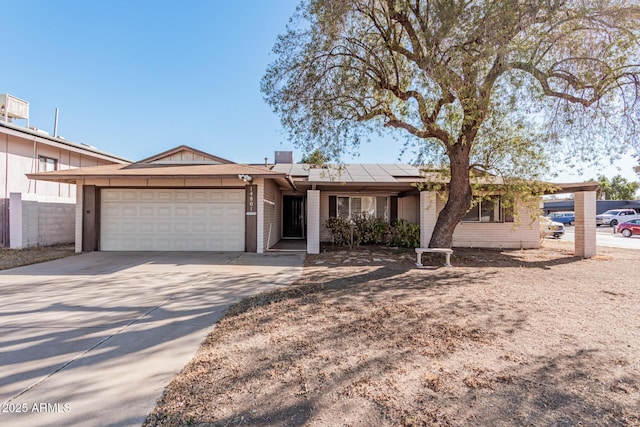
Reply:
x=235 y=211
x=166 y=196
x=131 y=196
x=163 y=227
x=183 y=211
x=146 y=211
x=147 y=197
x=146 y=228
x=172 y=219
x=235 y=197
x=181 y=227
x=128 y=227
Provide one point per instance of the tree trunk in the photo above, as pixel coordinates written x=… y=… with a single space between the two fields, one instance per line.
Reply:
x=459 y=199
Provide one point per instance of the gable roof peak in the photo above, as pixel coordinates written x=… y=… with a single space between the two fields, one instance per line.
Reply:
x=183 y=154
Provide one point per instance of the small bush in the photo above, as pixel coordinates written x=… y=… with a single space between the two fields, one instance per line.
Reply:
x=406 y=234
x=369 y=230
x=342 y=230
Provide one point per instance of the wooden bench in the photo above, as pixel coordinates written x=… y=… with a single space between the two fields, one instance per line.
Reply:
x=445 y=251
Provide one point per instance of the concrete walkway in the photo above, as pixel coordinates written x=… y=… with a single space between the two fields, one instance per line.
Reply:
x=94 y=339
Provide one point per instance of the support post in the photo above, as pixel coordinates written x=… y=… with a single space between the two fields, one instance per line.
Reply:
x=585 y=229
x=15 y=221
x=90 y=218
x=428 y=216
x=251 y=219
x=313 y=221
x=79 y=216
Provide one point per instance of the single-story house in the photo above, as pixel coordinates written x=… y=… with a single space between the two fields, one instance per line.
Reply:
x=188 y=200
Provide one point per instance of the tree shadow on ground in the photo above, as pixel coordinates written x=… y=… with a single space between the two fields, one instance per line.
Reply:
x=543 y=258
x=108 y=332
x=375 y=347
x=576 y=388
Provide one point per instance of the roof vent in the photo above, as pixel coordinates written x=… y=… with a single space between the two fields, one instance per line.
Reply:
x=283 y=157
x=13 y=108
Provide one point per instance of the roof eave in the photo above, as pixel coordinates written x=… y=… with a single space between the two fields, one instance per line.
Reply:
x=57 y=177
x=58 y=142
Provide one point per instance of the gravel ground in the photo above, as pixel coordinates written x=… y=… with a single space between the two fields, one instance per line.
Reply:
x=511 y=338
x=11 y=258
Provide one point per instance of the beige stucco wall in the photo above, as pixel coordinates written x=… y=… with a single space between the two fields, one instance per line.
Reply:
x=467 y=234
x=408 y=209
x=526 y=235
x=43 y=204
x=325 y=234
x=19 y=156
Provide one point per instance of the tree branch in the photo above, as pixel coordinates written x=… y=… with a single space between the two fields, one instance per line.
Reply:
x=543 y=79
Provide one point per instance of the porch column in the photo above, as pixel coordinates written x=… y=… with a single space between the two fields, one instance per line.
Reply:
x=428 y=216
x=313 y=221
x=16 y=234
x=585 y=229
x=79 y=215
x=90 y=219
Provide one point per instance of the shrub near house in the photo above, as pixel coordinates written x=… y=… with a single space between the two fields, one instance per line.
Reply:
x=371 y=230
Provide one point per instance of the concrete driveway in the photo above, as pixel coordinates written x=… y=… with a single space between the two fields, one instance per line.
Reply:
x=94 y=339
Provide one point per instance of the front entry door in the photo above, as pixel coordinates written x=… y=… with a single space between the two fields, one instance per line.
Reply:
x=293 y=217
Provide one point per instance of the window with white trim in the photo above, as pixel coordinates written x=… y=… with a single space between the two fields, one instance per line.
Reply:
x=485 y=210
x=47 y=164
x=348 y=206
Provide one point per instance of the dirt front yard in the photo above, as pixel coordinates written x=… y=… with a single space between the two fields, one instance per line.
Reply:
x=11 y=258
x=512 y=338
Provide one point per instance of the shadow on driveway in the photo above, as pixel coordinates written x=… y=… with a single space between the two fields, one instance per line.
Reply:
x=98 y=336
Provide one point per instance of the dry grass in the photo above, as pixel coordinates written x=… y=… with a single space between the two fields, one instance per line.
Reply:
x=504 y=338
x=11 y=258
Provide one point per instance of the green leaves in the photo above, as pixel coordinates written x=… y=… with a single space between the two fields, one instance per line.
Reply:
x=617 y=188
x=523 y=84
x=369 y=230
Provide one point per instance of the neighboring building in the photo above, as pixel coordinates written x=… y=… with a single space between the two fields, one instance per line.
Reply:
x=34 y=212
x=601 y=205
x=185 y=199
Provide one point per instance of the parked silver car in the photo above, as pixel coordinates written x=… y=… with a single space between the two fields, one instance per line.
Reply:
x=550 y=228
x=614 y=217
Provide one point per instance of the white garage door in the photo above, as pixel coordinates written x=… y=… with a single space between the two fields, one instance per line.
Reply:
x=172 y=220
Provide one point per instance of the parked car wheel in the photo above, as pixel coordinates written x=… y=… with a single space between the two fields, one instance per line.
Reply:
x=626 y=232
x=613 y=222
x=572 y=223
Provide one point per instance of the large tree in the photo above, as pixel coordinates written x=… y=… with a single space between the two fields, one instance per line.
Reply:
x=466 y=79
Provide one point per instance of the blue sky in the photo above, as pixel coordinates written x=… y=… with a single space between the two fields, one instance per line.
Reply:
x=138 y=77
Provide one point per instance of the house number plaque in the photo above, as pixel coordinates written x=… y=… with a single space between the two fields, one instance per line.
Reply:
x=251 y=196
